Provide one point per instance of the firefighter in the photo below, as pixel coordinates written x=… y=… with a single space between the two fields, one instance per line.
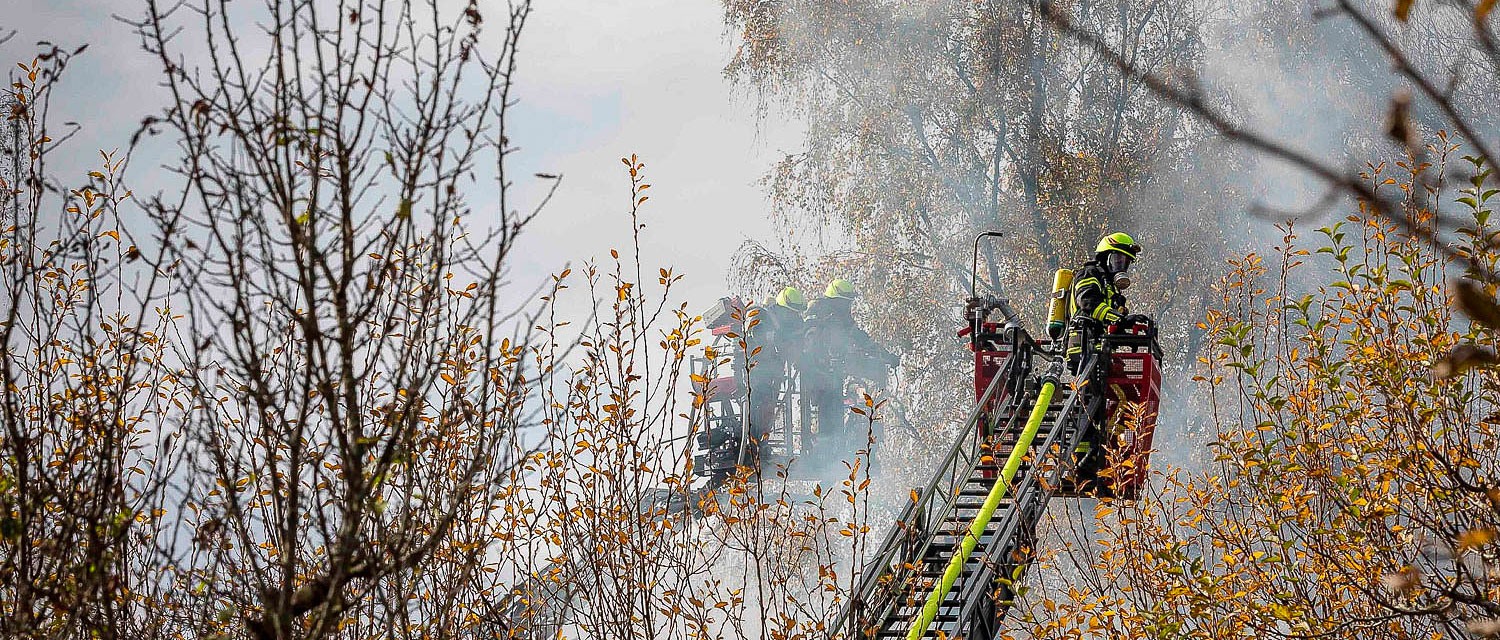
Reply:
x=777 y=333
x=1096 y=304
x=785 y=317
x=836 y=349
x=1096 y=301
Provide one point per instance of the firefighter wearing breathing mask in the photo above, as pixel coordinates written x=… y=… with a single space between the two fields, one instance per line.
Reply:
x=1096 y=288
x=1096 y=301
x=1096 y=304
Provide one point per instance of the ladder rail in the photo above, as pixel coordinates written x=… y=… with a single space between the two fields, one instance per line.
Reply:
x=1030 y=500
x=995 y=495
x=901 y=577
x=963 y=457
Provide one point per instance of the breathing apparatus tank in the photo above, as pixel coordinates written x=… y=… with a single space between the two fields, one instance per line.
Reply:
x=1057 y=309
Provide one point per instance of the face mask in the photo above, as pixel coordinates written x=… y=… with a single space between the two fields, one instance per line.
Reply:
x=1117 y=262
x=1122 y=283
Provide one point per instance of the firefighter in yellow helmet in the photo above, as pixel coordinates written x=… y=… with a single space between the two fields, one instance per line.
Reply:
x=837 y=351
x=1095 y=304
x=831 y=329
x=783 y=324
x=1096 y=286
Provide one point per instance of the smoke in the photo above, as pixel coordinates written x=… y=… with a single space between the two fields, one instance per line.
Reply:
x=1297 y=79
x=1319 y=85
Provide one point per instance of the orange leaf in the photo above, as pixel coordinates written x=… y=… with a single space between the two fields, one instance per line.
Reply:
x=1475 y=538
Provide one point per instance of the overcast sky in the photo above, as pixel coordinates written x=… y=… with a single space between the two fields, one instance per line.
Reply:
x=599 y=80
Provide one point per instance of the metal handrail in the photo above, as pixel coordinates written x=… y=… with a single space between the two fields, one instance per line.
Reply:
x=973 y=594
x=902 y=532
x=901 y=576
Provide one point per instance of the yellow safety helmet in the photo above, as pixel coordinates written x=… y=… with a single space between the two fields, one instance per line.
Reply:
x=1121 y=242
x=792 y=298
x=840 y=288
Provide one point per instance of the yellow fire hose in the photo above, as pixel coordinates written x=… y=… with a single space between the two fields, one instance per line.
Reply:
x=991 y=502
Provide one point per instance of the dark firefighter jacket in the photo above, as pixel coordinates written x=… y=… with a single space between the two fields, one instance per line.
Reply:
x=1095 y=295
x=777 y=332
x=835 y=347
x=775 y=341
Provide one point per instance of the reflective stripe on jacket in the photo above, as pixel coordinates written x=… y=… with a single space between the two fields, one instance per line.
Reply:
x=1095 y=296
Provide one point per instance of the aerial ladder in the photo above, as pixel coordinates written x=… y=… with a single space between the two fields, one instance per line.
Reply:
x=1041 y=428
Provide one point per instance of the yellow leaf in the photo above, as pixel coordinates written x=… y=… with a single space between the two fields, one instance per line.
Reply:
x=1475 y=538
